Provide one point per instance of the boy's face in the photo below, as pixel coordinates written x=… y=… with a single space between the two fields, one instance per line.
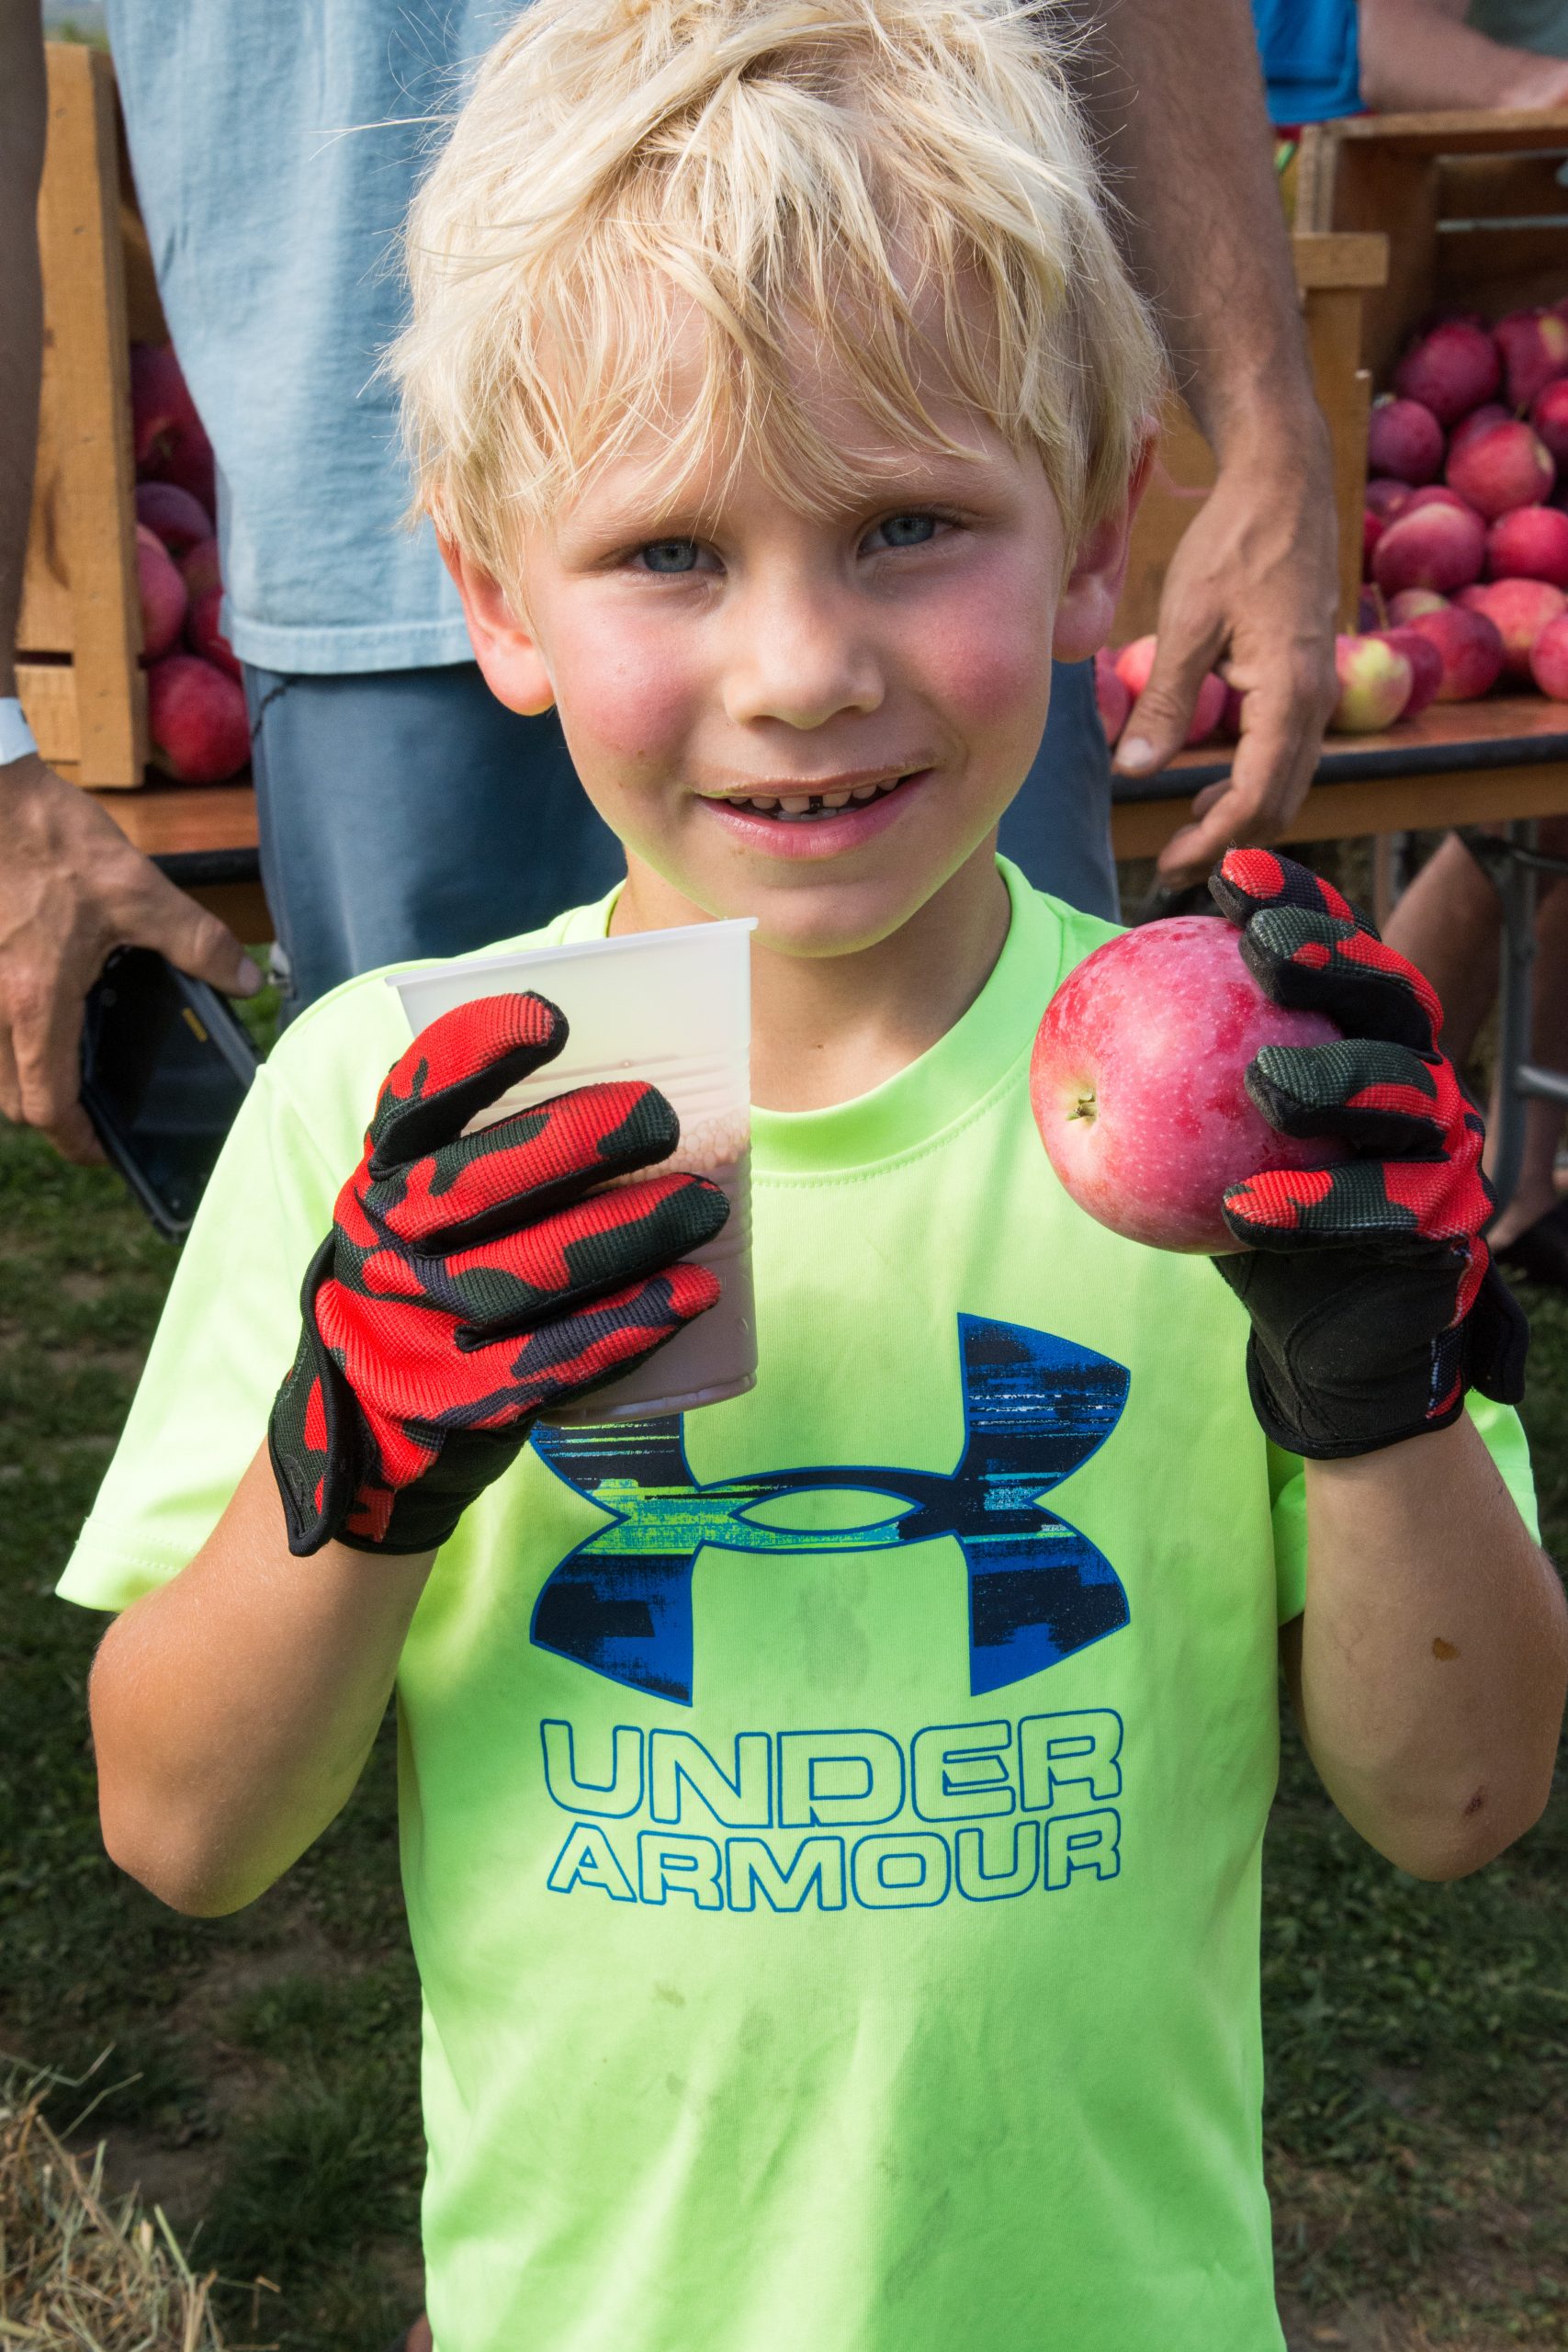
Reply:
x=815 y=721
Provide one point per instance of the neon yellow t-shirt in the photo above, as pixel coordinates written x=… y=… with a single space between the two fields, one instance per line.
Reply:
x=830 y=1828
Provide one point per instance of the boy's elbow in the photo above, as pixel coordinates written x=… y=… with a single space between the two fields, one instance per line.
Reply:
x=1488 y=1824
x=173 y=1872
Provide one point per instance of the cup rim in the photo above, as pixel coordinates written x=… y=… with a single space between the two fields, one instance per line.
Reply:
x=564 y=950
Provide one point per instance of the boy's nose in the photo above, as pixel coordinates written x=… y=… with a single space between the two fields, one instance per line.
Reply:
x=795 y=658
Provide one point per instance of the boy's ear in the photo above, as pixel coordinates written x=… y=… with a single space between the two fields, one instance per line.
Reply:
x=505 y=648
x=1093 y=585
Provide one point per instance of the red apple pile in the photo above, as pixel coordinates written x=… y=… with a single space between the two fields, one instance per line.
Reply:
x=195 y=705
x=1466 y=517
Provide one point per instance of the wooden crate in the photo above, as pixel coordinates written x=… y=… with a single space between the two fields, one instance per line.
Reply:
x=79 y=633
x=1472 y=204
x=1335 y=275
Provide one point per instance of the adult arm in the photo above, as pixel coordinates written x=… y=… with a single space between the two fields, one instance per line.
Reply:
x=1429 y=1669
x=71 y=885
x=1421 y=53
x=1175 y=94
x=234 y=1708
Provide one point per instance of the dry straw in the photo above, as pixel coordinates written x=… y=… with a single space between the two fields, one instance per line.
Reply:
x=78 y=2273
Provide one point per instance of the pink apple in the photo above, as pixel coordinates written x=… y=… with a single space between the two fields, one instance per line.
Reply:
x=1451 y=370
x=1532 y=543
x=1426 y=667
x=1230 y=717
x=1134 y=665
x=1519 y=609
x=1437 y=546
x=1113 y=698
x=1505 y=467
x=1403 y=608
x=1371 y=532
x=1548 y=415
x=1534 y=344
x=189 y=462
x=204 y=636
x=1438 y=494
x=197 y=720
x=160 y=405
x=199 y=569
x=1549 y=662
x=180 y=521
x=1137 y=1082
x=1385 y=498
x=1471 y=648
x=1404 y=440
x=1375 y=679
x=161 y=593
x=1489 y=413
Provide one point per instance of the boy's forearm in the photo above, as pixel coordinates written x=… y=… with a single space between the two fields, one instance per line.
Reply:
x=1429 y=1669
x=234 y=1709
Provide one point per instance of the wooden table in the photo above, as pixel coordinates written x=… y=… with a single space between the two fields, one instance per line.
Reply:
x=1457 y=764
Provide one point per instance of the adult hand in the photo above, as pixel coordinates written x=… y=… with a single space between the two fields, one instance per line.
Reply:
x=72 y=888
x=1252 y=590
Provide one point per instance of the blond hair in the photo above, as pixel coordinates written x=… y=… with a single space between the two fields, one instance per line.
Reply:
x=627 y=170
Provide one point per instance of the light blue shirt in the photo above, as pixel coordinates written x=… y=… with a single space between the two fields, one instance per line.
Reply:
x=275 y=144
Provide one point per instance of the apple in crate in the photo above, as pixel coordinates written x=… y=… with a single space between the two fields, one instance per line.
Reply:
x=197 y=720
x=1138 y=1088
x=1375 y=682
x=1451 y=370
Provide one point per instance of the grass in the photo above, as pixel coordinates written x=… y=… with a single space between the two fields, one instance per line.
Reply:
x=261 y=2083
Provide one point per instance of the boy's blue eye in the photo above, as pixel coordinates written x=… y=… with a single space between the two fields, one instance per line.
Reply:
x=669 y=555
x=905 y=530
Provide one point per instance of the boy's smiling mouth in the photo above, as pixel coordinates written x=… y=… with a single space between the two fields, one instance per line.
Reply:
x=798 y=804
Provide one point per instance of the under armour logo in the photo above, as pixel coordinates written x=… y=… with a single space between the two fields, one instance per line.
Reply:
x=1035 y=1407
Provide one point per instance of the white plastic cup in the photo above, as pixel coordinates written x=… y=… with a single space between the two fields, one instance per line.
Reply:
x=674 y=1007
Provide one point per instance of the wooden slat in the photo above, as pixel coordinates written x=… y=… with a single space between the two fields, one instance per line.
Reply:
x=1506 y=267
x=1337 y=261
x=48 y=694
x=91 y=519
x=1389 y=805
x=174 y=820
x=1387 y=188
x=1467 y=132
x=1345 y=395
x=1491 y=187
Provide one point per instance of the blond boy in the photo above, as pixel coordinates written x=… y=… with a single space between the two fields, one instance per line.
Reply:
x=836 y=1898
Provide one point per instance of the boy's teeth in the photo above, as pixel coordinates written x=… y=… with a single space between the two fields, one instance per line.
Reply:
x=814 y=804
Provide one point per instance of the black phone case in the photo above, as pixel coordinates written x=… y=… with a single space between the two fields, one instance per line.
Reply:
x=227 y=1034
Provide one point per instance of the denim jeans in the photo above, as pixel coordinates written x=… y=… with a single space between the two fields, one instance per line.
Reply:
x=406 y=813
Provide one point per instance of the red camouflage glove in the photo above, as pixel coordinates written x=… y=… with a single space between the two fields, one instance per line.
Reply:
x=470 y=1282
x=1373 y=1299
